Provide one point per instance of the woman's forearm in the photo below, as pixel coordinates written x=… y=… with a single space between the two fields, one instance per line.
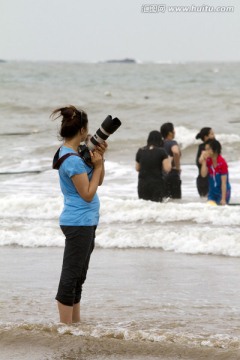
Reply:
x=224 y=187
x=87 y=189
x=94 y=183
x=102 y=174
x=204 y=169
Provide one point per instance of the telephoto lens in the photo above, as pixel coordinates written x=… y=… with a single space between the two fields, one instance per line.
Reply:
x=108 y=127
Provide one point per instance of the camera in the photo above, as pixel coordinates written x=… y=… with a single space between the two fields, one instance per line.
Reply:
x=108 y=127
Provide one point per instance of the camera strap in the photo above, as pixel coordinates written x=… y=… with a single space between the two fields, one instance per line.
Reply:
x=57 y=162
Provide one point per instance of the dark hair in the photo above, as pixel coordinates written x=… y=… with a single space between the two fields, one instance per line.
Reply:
x=73 y=120
x=203 y=132
x=214 y=145
x=166 y=128
x=155 y=139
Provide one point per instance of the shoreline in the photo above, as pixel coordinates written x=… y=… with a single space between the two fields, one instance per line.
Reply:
x=26 y=344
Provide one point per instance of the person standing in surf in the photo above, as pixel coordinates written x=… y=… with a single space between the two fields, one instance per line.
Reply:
x=151 y=161
x=205 y=134
x=215 y=167
x=79 y=182
x=172 y=179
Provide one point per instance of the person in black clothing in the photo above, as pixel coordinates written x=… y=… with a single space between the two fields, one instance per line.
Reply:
x=205 y=134
x=151 y=160
x=172 y=179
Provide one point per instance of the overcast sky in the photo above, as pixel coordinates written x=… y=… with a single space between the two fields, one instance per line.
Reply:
x=96 y=30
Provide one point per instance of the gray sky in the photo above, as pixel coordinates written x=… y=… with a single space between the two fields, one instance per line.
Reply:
x=93 y=30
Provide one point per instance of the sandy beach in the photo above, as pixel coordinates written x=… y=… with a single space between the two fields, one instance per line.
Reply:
x=137 y=304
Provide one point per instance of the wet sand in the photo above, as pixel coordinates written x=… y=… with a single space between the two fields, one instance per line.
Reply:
x=39 y=346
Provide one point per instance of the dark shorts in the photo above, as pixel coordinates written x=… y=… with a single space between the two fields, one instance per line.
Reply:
x=79 y=245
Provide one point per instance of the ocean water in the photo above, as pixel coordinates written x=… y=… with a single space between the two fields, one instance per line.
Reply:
x=142 y=96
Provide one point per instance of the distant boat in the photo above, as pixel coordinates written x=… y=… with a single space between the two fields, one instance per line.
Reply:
x=122 y=61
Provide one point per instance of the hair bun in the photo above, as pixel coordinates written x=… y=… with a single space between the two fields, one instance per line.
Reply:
x=68 y=112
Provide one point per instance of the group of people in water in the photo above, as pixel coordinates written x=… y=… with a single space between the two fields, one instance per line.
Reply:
x=158 y=165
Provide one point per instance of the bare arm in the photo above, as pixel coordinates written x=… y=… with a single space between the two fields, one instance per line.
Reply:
x=102 y=174
x=101 y=148
x=87 y=189
x=167 y=164
x=204 y=169
x=224 y=189
x=137 y=166
x=176 y=156
x=202 y=157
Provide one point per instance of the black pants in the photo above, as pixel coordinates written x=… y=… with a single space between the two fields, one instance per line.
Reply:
x=150 y=190
x=173 y=185
x=79 y=245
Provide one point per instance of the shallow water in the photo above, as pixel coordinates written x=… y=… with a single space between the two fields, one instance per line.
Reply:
x=139 y=298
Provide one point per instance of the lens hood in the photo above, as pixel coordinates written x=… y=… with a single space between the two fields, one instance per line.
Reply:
x=111 y=125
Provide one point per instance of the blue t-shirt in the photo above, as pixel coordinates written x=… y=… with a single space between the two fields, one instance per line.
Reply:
x=76 y=211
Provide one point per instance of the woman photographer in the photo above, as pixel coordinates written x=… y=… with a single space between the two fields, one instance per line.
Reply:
x=79 y=182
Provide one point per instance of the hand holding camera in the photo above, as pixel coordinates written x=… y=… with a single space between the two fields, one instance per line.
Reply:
x=101 y=148
x=96 y=159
